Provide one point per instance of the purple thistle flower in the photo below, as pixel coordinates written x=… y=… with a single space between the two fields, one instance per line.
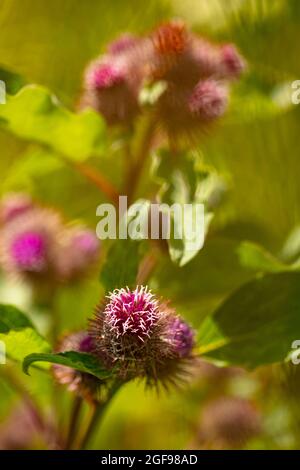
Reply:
x=102 y=76
x=86 y=242
x=233 y=64
x=85 y=344
x=29 y=245
x=181 y=337
x=111 y=89
x=29 y=251
x=112 y=82
x=208 y=100
x=80 y=383
x=141 y=337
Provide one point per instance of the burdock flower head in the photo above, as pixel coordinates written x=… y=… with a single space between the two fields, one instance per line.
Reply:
x=141 y=337
x=208 y=100
x=229 y=422
x=112 y=82
x=82 y=384
x=36 y=245
x=29 y=244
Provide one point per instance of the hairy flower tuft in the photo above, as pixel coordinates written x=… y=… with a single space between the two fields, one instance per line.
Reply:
x=28 y=251
x=132 y=313
x=231 y=61
x=208 y=100
x=113 y=81
x=171 y=37
x=181 y=337
x=101 y=76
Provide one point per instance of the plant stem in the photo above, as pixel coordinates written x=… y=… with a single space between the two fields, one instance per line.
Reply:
x=99 y=180
x=75 y=413
x=94 y=176
x=138 y=165
x=97 y=416
x=98 y=412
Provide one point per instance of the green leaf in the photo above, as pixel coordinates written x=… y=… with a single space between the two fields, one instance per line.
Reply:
x=31 y=169
x=187 y=183
x=256 y=257
x=18 y=334
x=151 y=92
x=13 y=82
x=257 y=324
x=76 y=360
x=36 y=115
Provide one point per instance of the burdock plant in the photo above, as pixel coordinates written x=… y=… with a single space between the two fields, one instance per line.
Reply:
x=164 y=89
x=136 y=337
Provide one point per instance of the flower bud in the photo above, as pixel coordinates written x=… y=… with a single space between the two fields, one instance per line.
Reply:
x=208 y=100
x=112 y=82
x=232 y=63
x=102 y=76
x=80 y=383
x=181 y=337
x=80 y=250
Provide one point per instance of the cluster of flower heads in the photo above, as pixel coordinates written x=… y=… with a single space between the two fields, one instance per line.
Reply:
x=195 y=72
x=134 y=336
x=37 y=245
